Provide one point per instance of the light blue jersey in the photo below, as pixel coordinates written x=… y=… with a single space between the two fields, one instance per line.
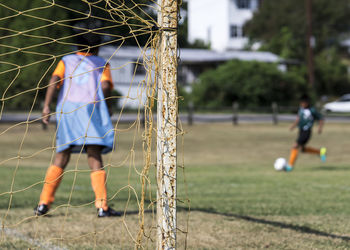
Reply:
x=82 y=113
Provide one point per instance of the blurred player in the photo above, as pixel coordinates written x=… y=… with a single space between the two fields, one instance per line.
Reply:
x=83 y=120
x=305 y=120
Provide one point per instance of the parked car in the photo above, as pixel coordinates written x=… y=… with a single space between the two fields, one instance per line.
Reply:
x=341 y=105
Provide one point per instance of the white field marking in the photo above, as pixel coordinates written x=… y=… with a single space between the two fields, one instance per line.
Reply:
x=14 y=233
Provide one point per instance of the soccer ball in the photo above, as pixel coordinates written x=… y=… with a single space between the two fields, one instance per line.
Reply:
x=280 y=164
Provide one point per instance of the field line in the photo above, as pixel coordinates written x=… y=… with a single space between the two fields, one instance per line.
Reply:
x=14 y=233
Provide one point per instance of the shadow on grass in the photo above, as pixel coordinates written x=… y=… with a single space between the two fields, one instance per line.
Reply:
x=301 y=229
x=329 y=168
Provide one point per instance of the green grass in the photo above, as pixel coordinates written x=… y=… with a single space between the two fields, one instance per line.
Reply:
x=237 y=199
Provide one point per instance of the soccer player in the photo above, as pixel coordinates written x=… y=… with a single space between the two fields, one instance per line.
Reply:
x=305 y=120
x=83 y=120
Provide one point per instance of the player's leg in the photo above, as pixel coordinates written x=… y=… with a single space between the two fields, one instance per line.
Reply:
x=310 y=150
x=53 y=179
x=292 y=157
x=303 y=138
x=98 y=176
x=321 y=152
x=98 y=181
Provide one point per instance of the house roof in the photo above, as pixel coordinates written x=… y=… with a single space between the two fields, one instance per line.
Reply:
x=202 y=55
x=189 y=56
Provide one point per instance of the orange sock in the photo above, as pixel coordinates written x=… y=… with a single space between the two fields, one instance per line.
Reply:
x=98 y=182
x=293 y=156
x=311 y=150
x=52 y=181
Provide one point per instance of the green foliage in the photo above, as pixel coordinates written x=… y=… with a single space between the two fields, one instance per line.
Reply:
x=199 y=44
x=27 y=57
x=331 y=74
x=281 y=27
x=277 y=20
x=284 y=43
x=184 y=98
x=126 y=22
x=249 y=83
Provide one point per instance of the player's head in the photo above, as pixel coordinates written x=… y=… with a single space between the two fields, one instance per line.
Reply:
x=304 y=101
x=88 y=42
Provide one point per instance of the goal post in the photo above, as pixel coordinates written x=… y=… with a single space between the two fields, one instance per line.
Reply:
x=167 y=125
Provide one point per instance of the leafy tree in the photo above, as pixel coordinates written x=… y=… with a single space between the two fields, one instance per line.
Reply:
x=127 y=22
x=281 y=27
x=27 y=48
x=250 y=83
x=331 y=73
x=277 y=20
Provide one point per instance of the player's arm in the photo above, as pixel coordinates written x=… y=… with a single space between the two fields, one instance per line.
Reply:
x=54 y=84
x=294 y=124
x=50 y=92
x=107 y=86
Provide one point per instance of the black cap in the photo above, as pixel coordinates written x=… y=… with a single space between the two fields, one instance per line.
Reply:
x=90 y=39
x=305 y=98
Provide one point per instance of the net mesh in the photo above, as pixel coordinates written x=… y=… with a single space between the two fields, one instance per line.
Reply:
x=34 y=36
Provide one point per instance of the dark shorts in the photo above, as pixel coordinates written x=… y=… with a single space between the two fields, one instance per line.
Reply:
x=304 y=137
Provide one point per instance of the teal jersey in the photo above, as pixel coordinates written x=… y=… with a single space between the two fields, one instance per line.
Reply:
x=307 y=116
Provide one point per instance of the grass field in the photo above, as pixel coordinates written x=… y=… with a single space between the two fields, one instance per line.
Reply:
x=237 y=199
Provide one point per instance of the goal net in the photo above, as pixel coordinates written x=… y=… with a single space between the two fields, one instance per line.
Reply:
x=36 y=37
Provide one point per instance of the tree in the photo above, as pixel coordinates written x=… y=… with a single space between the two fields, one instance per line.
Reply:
x=250 y=83
x=27 y=49
x=331 y=73
x=277 y=19
x=281 y=27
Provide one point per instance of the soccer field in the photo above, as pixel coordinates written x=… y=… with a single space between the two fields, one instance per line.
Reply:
x=237 y=199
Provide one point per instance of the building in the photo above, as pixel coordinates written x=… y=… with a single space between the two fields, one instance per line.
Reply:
x=220 y=22
x=194 y=62
x=129 y=74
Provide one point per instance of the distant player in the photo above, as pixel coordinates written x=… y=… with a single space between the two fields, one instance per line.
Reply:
x=305 y=120
x=83 y=120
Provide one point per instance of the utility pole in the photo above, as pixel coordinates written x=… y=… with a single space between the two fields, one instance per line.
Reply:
x=310 y=43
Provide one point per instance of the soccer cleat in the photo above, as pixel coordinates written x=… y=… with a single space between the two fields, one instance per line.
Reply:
x=107 y=213
x=323 y=152
x=288 y=168
x=41 y=209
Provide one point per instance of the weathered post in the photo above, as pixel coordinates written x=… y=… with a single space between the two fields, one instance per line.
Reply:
x=167 y=125
x=274 y=107
x=235 y=107
x=190 y=113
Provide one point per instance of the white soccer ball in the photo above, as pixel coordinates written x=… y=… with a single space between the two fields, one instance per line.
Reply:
x=280 y=164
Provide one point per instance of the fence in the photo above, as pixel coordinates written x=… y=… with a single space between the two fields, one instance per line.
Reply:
x=239 y=114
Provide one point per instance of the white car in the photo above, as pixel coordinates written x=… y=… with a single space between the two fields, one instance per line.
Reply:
x=341 y=105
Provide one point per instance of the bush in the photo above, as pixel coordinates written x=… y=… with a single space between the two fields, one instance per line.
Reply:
x=331 y=74
x=250 y=83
